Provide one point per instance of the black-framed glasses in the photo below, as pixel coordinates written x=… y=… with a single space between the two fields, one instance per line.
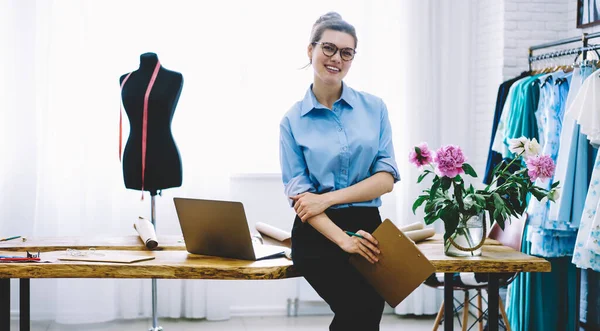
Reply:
x=329 y=50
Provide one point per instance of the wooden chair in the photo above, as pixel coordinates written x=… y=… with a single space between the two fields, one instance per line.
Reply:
x=511 y=237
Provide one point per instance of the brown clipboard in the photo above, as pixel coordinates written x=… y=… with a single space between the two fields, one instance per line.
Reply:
x=401 y=268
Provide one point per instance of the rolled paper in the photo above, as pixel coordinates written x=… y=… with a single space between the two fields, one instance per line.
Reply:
x=272 y=231
x=269 y=231
x=420 y=235
x=412 y=227
x=146 y=231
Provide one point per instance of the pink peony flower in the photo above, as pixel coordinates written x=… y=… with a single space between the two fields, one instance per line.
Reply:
x=449 y=161
x=541 y=167
x=421 y=158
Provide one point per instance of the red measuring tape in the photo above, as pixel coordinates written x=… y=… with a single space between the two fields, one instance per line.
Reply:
x=144 y=121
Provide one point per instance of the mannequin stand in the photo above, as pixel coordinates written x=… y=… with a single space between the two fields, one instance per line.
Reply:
x=155 y=326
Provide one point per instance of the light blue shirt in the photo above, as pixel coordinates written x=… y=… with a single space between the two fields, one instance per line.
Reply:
x=323 y=150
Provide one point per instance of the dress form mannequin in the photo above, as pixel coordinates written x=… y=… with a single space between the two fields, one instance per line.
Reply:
x=163 y=163
x=151 y=160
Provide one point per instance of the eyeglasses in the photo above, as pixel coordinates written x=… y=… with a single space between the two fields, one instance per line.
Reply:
x=329 y=50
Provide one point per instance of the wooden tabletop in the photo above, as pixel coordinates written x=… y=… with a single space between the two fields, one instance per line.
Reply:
x=165 y=265
x=494 y=258
x=173 y=262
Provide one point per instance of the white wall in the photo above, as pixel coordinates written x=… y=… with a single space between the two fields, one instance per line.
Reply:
x=505 y=31
x=487 y=72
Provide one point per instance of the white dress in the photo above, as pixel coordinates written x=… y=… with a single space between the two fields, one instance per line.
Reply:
x=587 y=245
x=586 y=108
x=586 y=111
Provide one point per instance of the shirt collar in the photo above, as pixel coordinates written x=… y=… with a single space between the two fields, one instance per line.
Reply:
x=310 y=101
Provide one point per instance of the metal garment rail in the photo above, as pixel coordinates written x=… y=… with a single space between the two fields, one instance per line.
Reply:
x=583 y=48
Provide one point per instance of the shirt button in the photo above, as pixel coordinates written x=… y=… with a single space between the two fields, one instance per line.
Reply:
x=343 y=172
x=339 y=129
x=344 y=148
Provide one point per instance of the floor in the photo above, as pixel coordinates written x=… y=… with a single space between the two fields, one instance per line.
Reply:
x=279 y=323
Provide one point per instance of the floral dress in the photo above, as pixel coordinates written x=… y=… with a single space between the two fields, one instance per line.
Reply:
x=550 y=238
x=587 y=246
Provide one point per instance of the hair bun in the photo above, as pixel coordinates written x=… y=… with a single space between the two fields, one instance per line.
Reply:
x=331 y=16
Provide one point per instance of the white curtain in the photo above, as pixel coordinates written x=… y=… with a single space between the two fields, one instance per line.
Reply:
x=59 y=101
x=436 y=102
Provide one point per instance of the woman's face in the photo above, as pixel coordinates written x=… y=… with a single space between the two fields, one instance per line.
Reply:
x=331 y=69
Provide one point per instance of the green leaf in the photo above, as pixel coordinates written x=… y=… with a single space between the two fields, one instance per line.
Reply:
x=446 y=182
x=458 y=190
x=469 y=170
x=537 y=193
x=498 y=202
x=471 y=189
x=429 y=207
x=497 y=167
x=497 y=215
x=434 y=189
x=450 y=217
x=430 y=218
x=418 y=150
x=555 y=184
x=419 y=202
x=479 y=199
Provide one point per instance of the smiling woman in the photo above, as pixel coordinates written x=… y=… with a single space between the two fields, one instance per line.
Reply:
x=336 y=175
x=59 y=108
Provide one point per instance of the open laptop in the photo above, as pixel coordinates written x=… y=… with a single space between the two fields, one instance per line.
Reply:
x=220 y=228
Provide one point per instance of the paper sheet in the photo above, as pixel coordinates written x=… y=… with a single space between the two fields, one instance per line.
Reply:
x=146 y=231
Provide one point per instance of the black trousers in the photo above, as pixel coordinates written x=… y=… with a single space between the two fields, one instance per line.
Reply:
x=325 y=266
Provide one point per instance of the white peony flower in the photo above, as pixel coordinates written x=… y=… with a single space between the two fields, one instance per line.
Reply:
x=517 y=145
x=532 y=148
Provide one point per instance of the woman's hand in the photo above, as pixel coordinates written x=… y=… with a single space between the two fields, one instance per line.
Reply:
x=309 y=204
x=366 y=247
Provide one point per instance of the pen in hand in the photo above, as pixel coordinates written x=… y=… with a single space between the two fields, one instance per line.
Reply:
x=354 y=234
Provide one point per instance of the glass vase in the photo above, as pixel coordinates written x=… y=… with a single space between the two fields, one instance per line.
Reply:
x=468 y=237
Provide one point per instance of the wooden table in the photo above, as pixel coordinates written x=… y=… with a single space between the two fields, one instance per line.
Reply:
x=173 y=262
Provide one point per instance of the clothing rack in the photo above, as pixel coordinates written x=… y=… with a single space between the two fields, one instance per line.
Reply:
x=583 y=49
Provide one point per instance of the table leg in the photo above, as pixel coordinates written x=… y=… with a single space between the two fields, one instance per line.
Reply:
x=5 y=304
x=493 y=297
x=155 y=326
x=448 y=302
x=24 y=312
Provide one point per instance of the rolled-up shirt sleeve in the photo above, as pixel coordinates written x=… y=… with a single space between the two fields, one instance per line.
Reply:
x=294 y=171
x=385 y=160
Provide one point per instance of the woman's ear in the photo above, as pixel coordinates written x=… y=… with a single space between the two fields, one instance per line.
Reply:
x=309 y=51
